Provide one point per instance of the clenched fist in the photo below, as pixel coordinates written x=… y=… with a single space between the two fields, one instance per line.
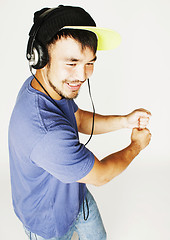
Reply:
x=141 y=137
x=138 y=119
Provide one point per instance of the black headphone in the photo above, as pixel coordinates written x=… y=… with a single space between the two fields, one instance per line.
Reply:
x=37 y=53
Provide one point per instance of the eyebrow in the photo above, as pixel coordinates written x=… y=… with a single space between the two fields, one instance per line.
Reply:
x=77 y=60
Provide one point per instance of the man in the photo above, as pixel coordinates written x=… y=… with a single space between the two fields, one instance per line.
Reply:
x=49 y=166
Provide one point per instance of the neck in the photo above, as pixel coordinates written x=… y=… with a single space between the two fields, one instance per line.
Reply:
x=35 y=84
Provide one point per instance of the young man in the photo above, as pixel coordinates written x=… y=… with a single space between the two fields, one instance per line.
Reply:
x=49 y=166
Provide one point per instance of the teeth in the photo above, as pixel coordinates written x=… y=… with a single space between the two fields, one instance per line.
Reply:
x=73 y=84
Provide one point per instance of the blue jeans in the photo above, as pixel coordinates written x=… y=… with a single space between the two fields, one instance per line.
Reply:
x=92 y=229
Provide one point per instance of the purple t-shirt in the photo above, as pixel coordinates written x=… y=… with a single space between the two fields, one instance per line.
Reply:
x=46 y=160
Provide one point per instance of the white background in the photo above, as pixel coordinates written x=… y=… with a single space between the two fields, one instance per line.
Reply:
x=135 y=205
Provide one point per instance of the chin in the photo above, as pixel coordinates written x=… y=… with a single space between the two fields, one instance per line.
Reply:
x=70 y=96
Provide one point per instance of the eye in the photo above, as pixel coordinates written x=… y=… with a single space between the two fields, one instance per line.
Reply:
x=71 y=64
x=90 y=64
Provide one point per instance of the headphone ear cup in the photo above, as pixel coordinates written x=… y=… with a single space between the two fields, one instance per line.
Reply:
x=40 y=56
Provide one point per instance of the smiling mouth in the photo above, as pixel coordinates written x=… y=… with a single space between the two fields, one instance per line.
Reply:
x=74 y=86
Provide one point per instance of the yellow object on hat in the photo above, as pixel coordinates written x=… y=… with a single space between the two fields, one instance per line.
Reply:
x=107 y=38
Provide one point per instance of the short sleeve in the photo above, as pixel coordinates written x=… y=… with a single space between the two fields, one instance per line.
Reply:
x=61 y=154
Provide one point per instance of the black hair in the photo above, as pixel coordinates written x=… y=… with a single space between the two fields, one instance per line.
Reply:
x=85 y=37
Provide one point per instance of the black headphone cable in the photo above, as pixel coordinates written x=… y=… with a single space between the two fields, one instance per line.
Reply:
x=92 y=130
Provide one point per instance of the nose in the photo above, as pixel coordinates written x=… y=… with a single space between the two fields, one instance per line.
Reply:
x=81 y=73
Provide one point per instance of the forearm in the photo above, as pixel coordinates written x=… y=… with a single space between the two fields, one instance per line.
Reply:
x=116 y=163
x=102 y=124
x=111 y=166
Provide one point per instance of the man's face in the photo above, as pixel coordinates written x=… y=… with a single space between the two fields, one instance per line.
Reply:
x=69 y=67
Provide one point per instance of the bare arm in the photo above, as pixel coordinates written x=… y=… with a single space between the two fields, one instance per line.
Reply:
x=105 y=170
x=103 y=124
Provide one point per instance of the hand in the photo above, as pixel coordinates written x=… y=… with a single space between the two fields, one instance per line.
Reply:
x=138 y=119
x=141 y=137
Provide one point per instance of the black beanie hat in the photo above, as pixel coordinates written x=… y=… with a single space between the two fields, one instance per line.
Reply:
x=47 y=21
